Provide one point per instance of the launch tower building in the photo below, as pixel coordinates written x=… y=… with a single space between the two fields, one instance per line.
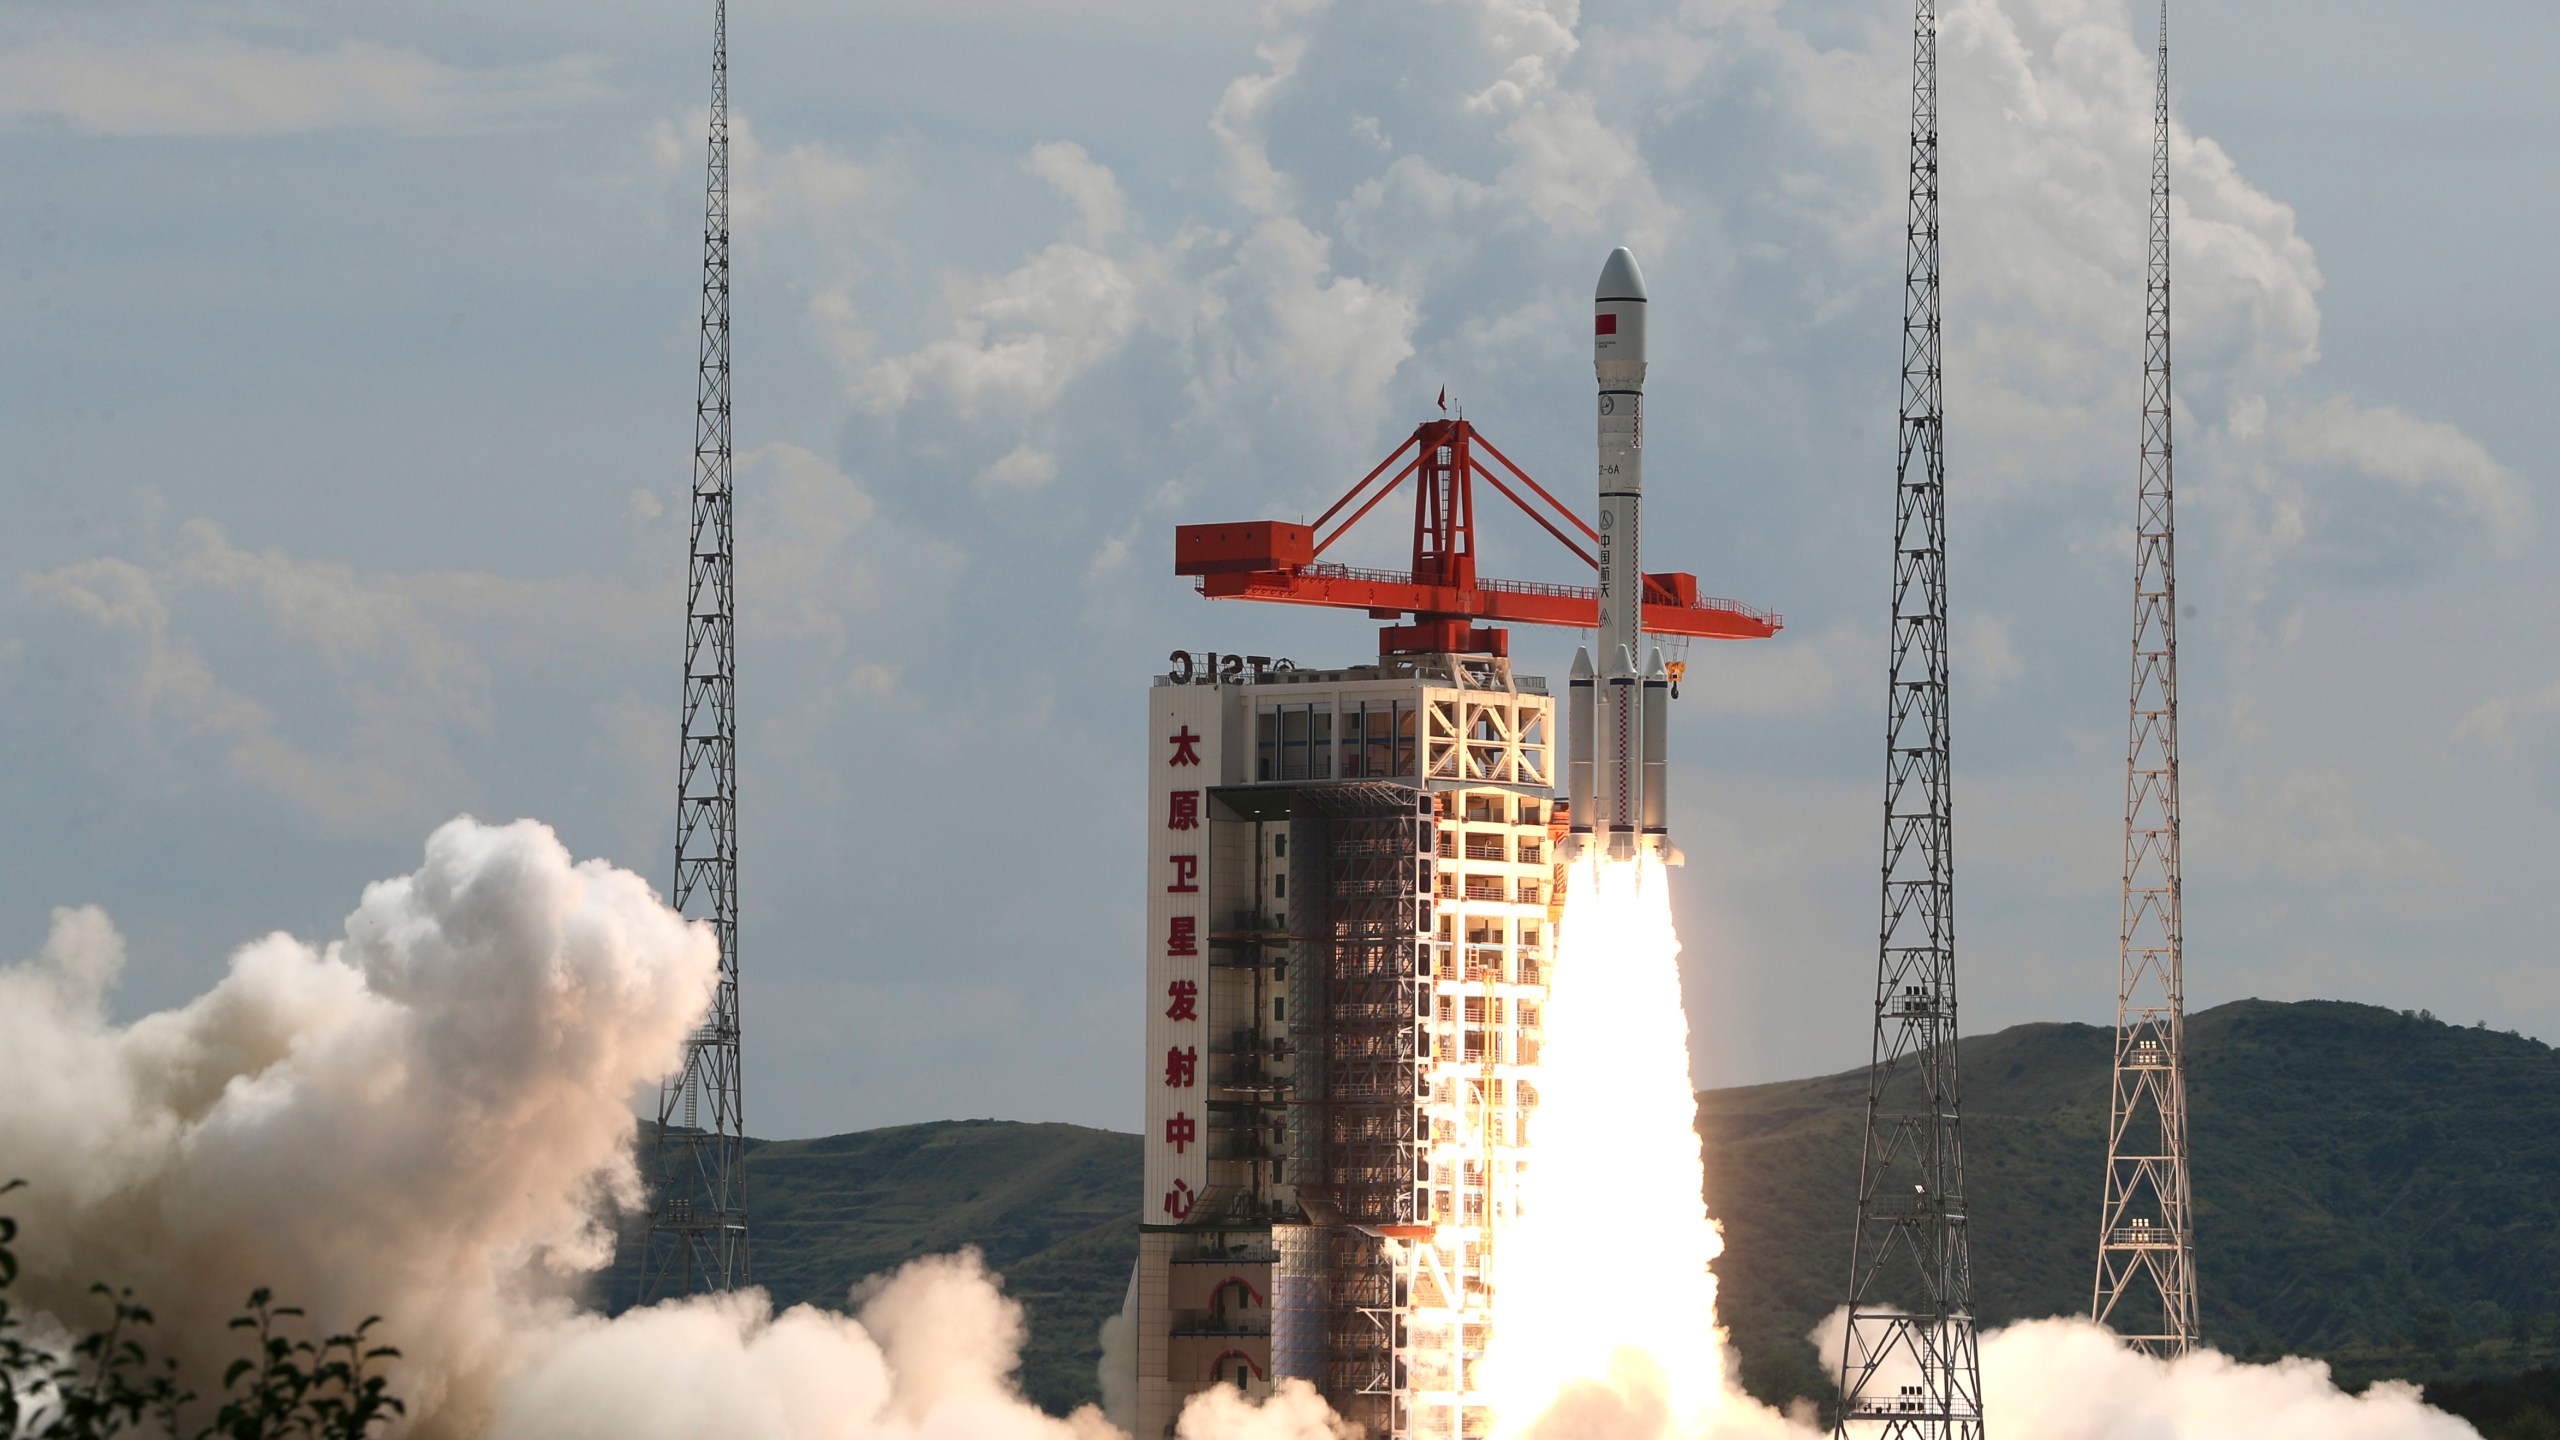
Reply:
x=1352 y=888
x=1349 y=914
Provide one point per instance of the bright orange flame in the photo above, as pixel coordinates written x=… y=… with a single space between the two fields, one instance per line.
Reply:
x=1604 y=1309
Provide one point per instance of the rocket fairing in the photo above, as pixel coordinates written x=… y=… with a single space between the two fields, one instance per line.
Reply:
x=1617 y=771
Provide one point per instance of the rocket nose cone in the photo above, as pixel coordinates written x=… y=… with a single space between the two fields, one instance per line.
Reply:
x=1620 y=279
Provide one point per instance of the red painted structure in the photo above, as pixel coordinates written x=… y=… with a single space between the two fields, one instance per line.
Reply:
x=1441 y=598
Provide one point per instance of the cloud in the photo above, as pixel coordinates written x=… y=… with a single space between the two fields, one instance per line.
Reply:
x=1985 y=653
x=807 y=183
x=1019 y=469
x=2428 y=457
x=2306 y=827
x=224 y=86
x=1086 y=184
x=402 y=683
x=2526 y=728
x=1245 y=168
x=1021 y=337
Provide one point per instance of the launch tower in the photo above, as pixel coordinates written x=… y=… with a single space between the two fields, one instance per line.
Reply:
x=1352 y=890
x=2146 y=1233
x=1910 y=1369
x=698 y=1216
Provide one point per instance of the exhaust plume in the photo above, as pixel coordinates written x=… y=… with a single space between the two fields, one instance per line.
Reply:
x=426 y=1119
x=1604 y=1305
x=2072 y=1379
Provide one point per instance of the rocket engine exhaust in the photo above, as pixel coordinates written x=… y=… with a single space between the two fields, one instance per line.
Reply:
x=1617 y=768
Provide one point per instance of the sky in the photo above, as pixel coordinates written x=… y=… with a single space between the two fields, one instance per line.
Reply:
x=349 y=418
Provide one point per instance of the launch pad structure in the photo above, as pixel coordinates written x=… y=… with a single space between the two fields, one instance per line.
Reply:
x=1354 y=877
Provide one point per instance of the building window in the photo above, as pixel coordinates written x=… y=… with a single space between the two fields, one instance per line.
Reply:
x=1279 y=887
x=1377 y=739
x=1293 y=742
x=1280 y=846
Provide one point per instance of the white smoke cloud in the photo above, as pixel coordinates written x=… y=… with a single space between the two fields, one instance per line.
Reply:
x=1292 y=1412
x=2071 y=1379
x=423 y=1119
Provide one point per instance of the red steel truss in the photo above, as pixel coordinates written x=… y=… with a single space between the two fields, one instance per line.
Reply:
x=1441 y=598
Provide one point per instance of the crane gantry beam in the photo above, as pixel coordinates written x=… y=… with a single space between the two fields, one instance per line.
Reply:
x=1441 y=598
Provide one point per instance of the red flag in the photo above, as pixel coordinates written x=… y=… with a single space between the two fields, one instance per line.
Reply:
x=1608 y=325
x=1444 y=399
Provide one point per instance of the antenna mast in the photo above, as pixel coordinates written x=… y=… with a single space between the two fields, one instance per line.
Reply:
x=1910 y=1369
x=698 y=1226
x=2146 y=1235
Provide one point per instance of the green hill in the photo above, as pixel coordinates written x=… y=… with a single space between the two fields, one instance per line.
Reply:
x=2379 y=1188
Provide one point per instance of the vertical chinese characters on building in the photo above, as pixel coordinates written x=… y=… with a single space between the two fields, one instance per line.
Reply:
x=1182 y=767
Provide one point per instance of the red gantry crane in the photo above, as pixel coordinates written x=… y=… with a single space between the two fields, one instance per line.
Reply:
x=1442 y=599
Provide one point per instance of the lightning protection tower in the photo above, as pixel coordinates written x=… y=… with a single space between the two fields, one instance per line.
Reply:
x=698 y=1223
x=2146 y=1236
x=1909 y=1363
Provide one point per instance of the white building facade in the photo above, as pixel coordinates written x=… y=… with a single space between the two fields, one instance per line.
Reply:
x=1351 y=906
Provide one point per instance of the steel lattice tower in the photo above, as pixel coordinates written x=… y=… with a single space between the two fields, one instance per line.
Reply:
x=1909 y=1363
x=2146 y=1235
x=698 y=1228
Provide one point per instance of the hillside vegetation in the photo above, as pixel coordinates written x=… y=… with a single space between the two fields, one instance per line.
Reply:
x=2379 y=1188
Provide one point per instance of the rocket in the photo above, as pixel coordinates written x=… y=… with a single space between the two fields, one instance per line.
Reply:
x=1616 y=764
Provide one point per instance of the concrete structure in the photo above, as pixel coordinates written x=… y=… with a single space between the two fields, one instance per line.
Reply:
x=1351 y=900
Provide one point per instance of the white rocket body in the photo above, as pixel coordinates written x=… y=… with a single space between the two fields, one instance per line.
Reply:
x=1617 y=770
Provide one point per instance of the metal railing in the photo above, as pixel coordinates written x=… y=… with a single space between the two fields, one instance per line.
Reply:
x=1327 y=570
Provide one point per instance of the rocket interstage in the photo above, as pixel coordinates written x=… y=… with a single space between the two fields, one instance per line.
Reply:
x=1618 y=770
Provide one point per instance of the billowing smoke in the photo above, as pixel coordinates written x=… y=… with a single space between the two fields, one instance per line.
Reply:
x=2070 y=1379
x=425 y=1120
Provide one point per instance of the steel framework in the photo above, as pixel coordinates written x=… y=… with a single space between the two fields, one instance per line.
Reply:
x=1909 y=1362
x=1442 y=595
x=698 y=1219
x=1359 y=1006
x=2146 y=1234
